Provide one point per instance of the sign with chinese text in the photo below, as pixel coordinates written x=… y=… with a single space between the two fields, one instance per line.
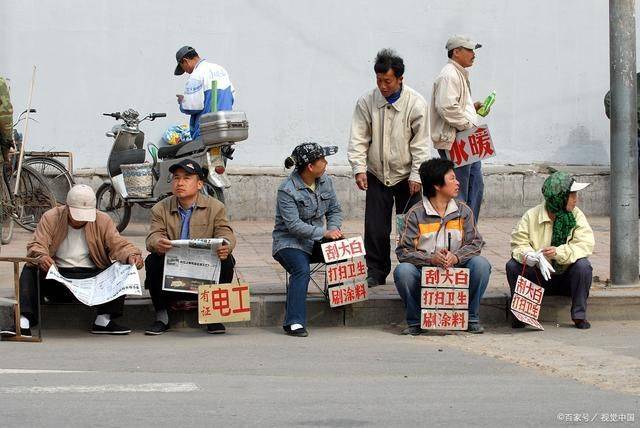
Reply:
x=526 y=302
x=444 y=298
x=344 y=249
x=223 y=303
x=470 y=146
x=346 y=271
x=348 y=293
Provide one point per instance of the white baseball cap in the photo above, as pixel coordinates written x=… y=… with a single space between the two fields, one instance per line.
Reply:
x=458 y=41
x=578 y=186
x=81 y=201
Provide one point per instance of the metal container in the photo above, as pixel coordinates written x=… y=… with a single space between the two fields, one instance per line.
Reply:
x=223 y=127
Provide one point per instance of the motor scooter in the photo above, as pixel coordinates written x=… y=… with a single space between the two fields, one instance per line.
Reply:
x=219 y=132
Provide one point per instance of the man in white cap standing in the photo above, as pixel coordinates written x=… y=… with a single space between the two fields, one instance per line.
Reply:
x=81 y=242
x=452 y=110
x=555 y=239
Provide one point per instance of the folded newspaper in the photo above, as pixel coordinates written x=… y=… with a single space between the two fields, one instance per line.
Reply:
x=191 y=263
x=115 y=281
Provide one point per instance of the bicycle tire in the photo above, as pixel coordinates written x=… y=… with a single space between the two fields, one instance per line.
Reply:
x=34 y=198
x=6 y=207
x=58 y=177
x=110 y=202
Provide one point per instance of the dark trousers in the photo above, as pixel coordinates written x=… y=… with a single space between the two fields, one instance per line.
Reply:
x=378 y=221
x=575 y=281
x=154 y=266
x=55 y=292
x=296 y=262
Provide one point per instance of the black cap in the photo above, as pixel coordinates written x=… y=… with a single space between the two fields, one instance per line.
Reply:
x=179 y=55
x=310 y=152
x=191 y=167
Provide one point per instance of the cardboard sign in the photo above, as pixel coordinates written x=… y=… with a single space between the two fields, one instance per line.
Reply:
x=444 y=298
x=346 y=294
x=346 y=271
x=527 y=301
x=470 y=146
x=343 y=249
x=435 y=319
x=445 y=278
x=223 y=303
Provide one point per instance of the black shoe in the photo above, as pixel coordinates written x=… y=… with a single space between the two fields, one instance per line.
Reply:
x=11 y=332
x=582 y=324
x=475 y=328
x=157 y=328
x=413 y=330
x=298 y=332
x=216 y=328
x=373 y=282
x=111 y=328
x=516 y=323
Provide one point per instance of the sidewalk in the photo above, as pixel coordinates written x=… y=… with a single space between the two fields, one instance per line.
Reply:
x=256 y=267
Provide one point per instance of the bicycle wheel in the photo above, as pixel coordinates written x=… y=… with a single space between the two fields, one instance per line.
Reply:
x=110 y=202
x=59 y=179
x=6 y=208
x=33 y=199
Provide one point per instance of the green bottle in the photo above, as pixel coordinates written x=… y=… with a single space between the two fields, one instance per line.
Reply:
x=486 y=106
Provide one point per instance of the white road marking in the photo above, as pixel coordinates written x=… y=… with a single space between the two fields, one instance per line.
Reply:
x=32 y=371
x=143 y=387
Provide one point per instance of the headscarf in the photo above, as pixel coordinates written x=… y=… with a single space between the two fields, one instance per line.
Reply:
x=556 y=189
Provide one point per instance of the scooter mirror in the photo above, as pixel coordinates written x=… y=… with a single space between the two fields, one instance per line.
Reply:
x=109 y=134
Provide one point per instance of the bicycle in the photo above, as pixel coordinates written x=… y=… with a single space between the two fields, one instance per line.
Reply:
x=58 y=176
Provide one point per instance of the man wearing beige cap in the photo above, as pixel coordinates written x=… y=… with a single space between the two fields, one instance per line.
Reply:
x=81 y=242
x=452 y=110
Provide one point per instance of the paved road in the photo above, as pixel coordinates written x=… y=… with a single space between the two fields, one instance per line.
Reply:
x=335 y=377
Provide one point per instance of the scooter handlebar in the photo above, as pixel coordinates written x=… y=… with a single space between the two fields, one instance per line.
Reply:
x=154 y=115
x=115 y=115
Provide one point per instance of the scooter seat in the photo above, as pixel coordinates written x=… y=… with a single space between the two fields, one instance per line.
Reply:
x=169 y=151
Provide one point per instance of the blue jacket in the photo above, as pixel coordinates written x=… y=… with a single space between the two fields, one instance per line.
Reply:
x=301 y=213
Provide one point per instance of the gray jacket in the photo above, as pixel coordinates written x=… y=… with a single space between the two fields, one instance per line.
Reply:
x=300 y=213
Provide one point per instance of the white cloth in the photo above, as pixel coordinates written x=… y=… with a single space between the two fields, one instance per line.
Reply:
x=74 y=251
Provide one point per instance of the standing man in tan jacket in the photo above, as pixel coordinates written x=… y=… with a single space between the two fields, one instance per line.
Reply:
x=188 y=214
x=389 y=141
x=452 y=110
x=81 y=242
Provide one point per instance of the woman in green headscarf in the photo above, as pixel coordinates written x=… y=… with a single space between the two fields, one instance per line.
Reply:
x=555 y=239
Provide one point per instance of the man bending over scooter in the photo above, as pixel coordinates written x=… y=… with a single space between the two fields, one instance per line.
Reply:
x=188 y=214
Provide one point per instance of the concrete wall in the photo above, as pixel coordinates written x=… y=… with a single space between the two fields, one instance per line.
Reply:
x=299 y=67
x=509 y=191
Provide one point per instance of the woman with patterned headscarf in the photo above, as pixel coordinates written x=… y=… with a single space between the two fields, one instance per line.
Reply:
x=555 y=239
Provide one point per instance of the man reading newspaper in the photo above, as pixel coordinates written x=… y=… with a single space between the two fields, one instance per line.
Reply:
x=80 y=242
x=188 y=214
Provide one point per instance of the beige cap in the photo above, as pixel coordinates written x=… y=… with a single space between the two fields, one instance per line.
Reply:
x=578 y=186
x=81 y=201
x=458 y=41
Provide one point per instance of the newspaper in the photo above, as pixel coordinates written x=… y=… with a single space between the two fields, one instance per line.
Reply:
x=191 y=263
x=115 y=281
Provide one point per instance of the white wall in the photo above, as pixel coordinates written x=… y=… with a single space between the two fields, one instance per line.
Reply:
x=299 y=67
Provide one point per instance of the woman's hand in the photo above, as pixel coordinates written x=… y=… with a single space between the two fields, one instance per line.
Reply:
x=332 y=234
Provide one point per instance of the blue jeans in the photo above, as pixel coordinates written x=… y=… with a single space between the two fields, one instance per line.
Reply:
x=296 y=263
x=471 y=185
x=407 y=279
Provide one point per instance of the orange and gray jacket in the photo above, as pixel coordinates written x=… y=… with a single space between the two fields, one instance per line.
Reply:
x=425 y=232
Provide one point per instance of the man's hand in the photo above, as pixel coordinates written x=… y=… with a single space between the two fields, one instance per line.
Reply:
x=136 y=259
x=180 y=98
x=333 y=234
x=414 y=187
x=223 y=252
x=361 y=181
x=549 y=252
x=477 y=105
x=45 y=262
x=163 y=245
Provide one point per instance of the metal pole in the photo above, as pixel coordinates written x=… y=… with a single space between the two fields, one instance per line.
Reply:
x=624 y=150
